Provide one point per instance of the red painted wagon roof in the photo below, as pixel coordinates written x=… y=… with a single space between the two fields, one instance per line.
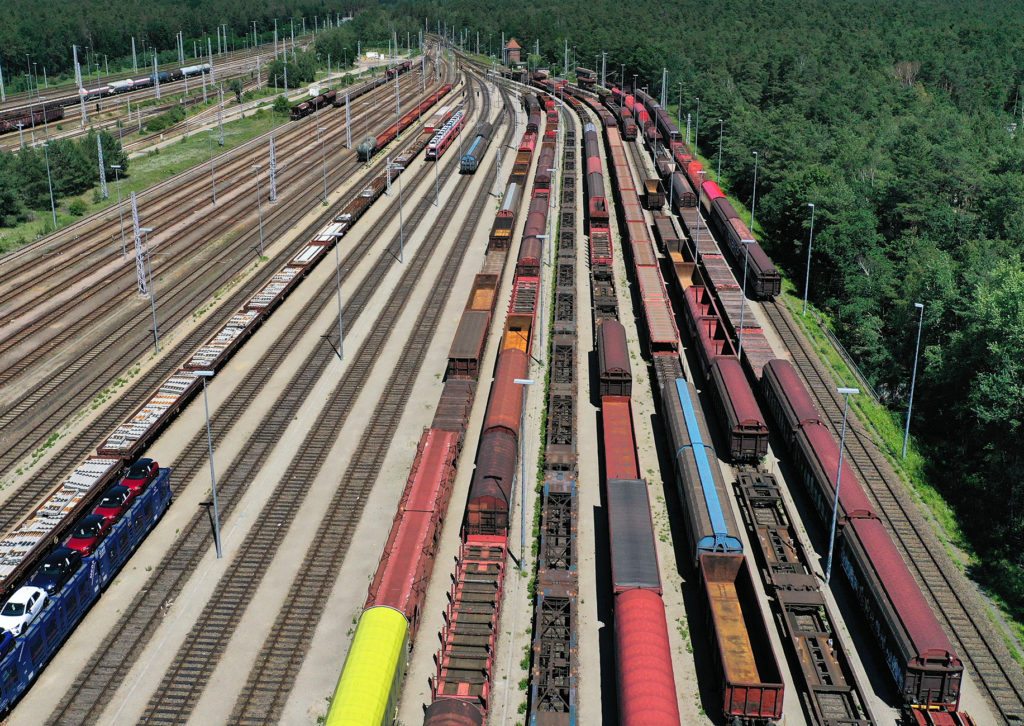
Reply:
x=647 y=693
x=922 y=627
x=852 y=498
x=743 y=403
x=792 y=387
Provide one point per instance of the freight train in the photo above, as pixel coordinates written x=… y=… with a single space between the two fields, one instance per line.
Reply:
x=765 y=280
x=70 y=581
x=301 y=110
x=923 y=665
x=371 y=145
x=29 y=546
x=461 y=687
x=54 y=110
x=748 y=674
x=370 y=682
x=554 y=672
x=128 y=84
x=29 y=117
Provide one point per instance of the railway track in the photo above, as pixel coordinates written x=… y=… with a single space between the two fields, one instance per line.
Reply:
x=984 y=653
x=188 y=675
x=85 y=378
x=84 y=701
x=20 y=100
x=186 y=250
x=26 y=284
x=273 y=677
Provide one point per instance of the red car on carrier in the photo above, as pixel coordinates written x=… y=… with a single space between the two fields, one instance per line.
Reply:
x=140 y=475
x=89 y=533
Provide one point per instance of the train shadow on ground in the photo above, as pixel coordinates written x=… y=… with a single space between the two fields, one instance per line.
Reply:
x=603 y=566
x=693 y=630
x=859 y=636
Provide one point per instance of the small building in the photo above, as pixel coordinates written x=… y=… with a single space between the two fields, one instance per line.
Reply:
x=512 y=51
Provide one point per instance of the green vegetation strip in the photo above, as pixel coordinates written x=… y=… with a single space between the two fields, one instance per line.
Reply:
x=156 y=166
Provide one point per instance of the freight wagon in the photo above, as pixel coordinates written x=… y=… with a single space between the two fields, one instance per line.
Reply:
x=67 y=606
x=710 y=523
x=919 y=657
x=470 y=160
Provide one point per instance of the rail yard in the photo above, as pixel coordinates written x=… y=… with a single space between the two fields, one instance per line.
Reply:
x=489 y=413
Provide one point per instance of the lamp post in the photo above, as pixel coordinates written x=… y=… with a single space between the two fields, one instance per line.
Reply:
x=49 y=181
x=152 y=292
x=337 y=266
x=401 y=223
x=524 y=382
x=120 y=214
x=839 y=472
x=696 y=129
x=259 y=204
x=436 y=187
x=540 y=290
x=743 y=298
x=753 y=200
x=913 y=378
x=679 y=108
x=551 y=199
x=810 y=243
x=213 y=178
x=213 y=474
x=461 y=151
x=31 y=107
x=720 y=130
x=366 y=118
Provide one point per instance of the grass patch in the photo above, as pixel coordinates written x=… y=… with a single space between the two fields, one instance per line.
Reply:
x=887 y=426
x=154 y=167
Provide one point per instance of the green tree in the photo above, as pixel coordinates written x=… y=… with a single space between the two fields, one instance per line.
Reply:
x=236 y=87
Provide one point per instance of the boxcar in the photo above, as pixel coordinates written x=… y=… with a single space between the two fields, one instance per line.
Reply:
x=738 y=411
x=613 y=360
x=702 y=490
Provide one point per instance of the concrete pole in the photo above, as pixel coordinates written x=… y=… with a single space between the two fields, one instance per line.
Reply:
x=213 y=474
